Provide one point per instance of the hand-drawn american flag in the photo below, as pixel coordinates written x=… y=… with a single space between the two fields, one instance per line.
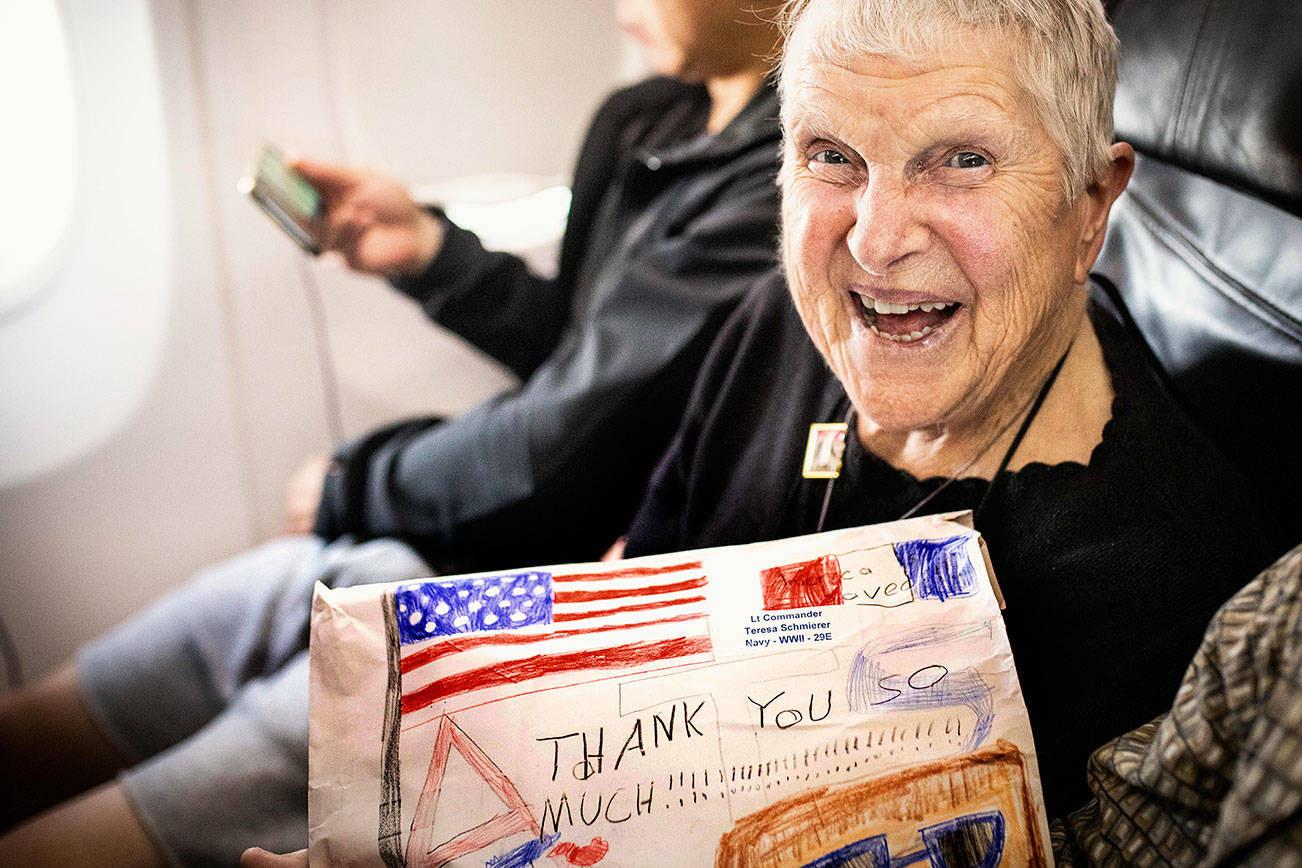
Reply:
x=516 y=631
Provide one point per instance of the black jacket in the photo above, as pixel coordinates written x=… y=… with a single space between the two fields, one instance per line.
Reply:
x=668 y=227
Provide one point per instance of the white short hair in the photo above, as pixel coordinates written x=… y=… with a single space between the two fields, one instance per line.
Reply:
x=1067 y=61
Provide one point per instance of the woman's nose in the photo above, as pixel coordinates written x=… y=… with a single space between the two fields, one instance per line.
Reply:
x=886 y=230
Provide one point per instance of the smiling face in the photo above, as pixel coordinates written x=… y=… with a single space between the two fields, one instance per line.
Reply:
x=929 y=246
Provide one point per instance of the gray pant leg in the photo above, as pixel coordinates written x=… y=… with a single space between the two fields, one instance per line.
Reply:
x=208 y=687
x=175 y=666
x=238 y=782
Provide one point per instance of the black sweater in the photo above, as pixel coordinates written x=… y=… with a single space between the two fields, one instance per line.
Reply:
x=1110 y=571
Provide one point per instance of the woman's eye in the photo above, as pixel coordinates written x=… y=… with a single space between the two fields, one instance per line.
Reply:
x=830 y=157
x=966 y=160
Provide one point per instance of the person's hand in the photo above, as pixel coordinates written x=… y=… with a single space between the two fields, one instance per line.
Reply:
x=303 y=493
x=370 y=220
x=616 y=551
x=256 y=857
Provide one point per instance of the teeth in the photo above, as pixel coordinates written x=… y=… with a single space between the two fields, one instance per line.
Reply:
x=887 y=307
x=904 y=339
x=878 y=306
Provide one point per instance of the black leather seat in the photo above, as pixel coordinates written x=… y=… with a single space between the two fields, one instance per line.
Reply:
x=1205 y=247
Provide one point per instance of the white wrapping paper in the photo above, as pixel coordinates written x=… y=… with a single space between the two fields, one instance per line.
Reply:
x=845 y=698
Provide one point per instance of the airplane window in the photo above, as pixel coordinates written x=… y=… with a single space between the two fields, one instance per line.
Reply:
x=38 y=150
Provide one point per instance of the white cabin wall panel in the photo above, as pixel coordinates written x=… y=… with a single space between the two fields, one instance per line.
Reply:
x=92 y=540
x=257 y=80
x=438 y=90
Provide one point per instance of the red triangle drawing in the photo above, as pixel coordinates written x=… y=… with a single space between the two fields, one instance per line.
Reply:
x=517 y=817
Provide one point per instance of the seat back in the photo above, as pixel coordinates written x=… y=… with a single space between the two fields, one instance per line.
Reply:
x=1205 y=247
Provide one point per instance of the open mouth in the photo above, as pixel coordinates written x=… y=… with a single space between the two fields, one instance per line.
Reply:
x=905 y=323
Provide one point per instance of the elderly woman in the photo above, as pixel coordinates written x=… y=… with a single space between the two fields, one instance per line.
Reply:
x=948 y=170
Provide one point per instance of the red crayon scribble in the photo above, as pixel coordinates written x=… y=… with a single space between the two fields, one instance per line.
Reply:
x=514 y=671
x=576 y=855
x=628 y=572
x=803 y=585
x=455 y=645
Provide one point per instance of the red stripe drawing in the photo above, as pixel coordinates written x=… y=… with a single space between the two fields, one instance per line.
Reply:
x=506 y=672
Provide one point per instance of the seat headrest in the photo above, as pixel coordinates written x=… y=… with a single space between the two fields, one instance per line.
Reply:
x=1215 y=87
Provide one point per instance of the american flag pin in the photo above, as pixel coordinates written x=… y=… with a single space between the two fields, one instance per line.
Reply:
x=824 y=450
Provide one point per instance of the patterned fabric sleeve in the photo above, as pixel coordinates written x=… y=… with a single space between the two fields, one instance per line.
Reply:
x=1217 y=780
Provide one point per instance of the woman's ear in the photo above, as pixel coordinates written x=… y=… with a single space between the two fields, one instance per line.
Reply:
x=1097 y=201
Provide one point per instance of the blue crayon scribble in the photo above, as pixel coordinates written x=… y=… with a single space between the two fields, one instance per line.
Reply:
x=444 y=608
x=524 y=855
x=864 y=853
x=939 y=569
x=874 y=681
x=971 y=841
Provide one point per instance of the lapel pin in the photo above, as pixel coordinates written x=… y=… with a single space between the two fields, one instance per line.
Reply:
x=824 y=450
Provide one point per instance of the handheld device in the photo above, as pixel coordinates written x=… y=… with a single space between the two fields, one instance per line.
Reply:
x=285 y=196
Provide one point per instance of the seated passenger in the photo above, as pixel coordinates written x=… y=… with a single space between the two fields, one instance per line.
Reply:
x=1218 y=779
x=203 y=699
x=948 y=171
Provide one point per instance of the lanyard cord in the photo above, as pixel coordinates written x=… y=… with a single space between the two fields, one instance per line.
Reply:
x=1021 y=432
x=1003 y=464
